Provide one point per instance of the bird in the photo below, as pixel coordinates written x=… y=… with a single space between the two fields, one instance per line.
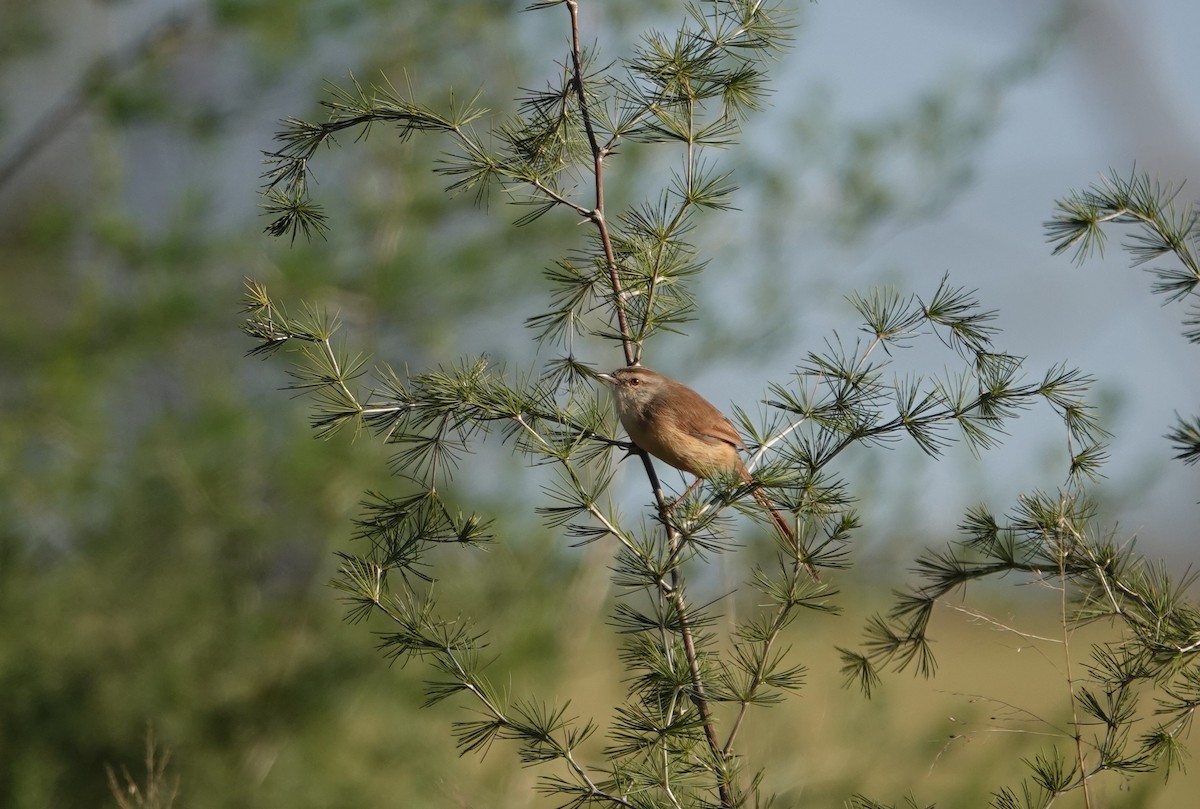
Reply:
x=681 y=428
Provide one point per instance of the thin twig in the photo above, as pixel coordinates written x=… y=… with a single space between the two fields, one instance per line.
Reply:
x=1076 y=733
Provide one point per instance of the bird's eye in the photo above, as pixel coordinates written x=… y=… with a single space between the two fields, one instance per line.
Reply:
x=635 y=381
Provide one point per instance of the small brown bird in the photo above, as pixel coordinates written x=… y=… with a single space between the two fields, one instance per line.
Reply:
x=680 y=427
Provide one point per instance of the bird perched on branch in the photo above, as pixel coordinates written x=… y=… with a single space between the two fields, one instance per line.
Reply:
x=680 y=427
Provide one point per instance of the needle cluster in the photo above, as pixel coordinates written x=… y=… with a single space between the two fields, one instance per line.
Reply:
x=1159 y=229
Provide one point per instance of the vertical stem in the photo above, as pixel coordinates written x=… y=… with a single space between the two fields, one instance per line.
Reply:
x=597 y=213
x=674 y=590
x=1063 y=549
x=675 y=596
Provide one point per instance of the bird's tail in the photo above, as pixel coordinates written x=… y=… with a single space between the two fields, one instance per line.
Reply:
x=784 y=528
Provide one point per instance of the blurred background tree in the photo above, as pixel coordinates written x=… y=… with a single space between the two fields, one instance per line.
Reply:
x=145 y=578
x=164 y=550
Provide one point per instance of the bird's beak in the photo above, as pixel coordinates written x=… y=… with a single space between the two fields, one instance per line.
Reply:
x=609 y=378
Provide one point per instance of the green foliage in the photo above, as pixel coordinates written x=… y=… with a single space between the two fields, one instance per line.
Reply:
x=689 y=91
x=1052 y=539
x=1162 y=229
x=145 y=580
x=164 y=547
x=689 y=684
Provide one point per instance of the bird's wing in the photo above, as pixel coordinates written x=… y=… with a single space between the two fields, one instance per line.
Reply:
x=721 y=430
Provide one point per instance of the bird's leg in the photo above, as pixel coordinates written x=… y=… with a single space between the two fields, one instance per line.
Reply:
x=672 y=503
x=689 y=489
x=669 y=505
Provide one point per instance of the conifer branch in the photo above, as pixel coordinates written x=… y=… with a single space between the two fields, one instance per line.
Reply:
x=1161 y=229
x=631 y=280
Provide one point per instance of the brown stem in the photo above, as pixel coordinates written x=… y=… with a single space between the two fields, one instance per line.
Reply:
x=674 y=590
x=596 y=215
x=675 y=595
